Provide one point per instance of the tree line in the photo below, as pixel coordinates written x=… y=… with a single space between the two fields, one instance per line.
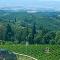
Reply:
x=24 y=32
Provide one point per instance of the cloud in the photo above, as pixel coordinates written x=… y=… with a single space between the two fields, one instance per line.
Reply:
x=36 y=4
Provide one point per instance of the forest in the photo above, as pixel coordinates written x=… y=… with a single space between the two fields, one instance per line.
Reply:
x=29 y=28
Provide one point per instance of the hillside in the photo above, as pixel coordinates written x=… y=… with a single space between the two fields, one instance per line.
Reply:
x=49 y=20
x=37 y=51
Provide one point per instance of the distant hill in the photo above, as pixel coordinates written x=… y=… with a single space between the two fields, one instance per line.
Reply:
x=50 y=20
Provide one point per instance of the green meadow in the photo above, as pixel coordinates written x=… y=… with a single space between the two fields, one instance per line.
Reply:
x=36 y=51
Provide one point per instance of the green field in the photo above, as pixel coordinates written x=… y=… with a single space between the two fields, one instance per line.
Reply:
x=37 y=51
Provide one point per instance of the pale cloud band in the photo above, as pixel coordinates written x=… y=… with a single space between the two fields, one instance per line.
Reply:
x=54 y=4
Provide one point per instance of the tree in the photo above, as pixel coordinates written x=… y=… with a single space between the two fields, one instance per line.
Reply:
x=39 y=38
x=33 y=31
x=9 y=35
x=57 y=38
x=49 y=37
x=15 y=19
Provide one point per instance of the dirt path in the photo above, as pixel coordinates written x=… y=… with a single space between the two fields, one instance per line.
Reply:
x=24 y=57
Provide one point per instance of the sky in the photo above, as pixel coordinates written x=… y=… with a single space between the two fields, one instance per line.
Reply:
x=31 y=4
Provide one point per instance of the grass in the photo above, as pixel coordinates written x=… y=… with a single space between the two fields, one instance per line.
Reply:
x=36 y=51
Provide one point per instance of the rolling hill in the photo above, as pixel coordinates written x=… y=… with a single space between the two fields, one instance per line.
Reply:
x=49 y=20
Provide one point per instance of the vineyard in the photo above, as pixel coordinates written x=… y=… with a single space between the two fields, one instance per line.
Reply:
x=36 y=51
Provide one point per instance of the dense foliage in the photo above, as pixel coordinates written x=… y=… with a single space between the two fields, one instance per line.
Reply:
x=30 y=28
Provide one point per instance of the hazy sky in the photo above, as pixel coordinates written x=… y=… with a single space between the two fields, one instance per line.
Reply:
x=53 y=4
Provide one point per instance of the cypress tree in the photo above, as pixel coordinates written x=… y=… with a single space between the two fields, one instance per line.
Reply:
x=9 y=33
